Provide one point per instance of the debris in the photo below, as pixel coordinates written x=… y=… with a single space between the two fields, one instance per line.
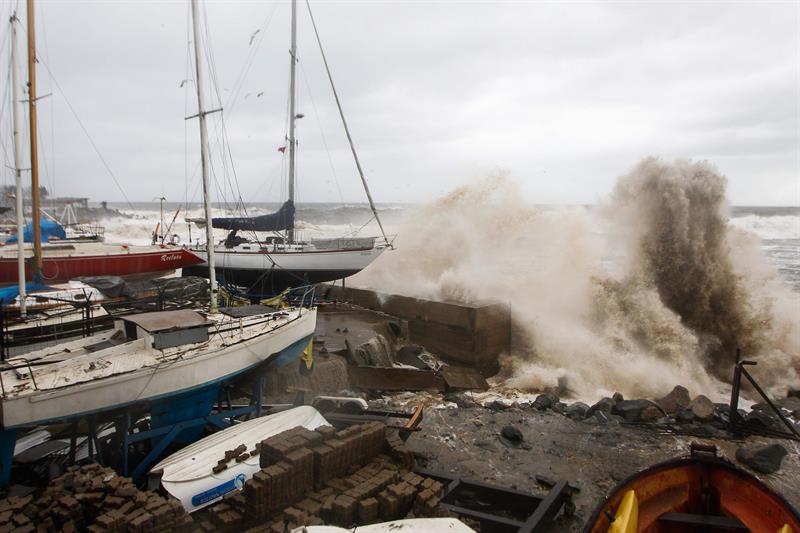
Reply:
x=764 y=459
x=461 y=378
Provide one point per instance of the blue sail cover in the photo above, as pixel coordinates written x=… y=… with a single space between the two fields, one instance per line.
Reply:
x=10 y=293
x=49 y=229
x=281 y=219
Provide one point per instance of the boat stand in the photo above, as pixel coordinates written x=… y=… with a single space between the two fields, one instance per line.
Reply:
x=130 y=431
x=502 y=509
x=739 y=426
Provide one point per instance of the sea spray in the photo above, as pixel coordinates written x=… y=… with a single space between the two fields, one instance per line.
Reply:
x=602 y=298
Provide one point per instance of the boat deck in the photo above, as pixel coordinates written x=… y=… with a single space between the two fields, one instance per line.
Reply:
x=88 y=248
x=111 y=353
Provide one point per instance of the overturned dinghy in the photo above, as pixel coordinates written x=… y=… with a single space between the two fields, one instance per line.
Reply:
x=698 y=493
x=150 y=357
x=189 y=474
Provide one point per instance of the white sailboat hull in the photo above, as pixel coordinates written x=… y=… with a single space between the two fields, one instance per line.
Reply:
x=60 y=395
x=245 y=265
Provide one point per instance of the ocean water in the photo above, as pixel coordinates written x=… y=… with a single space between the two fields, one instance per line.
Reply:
x=656 y=286
x=777 y=228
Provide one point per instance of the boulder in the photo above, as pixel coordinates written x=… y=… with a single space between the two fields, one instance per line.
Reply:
x=631 y=410
x=605 y=405
x=703 y=408
x=679 y=397
x=577 y=411
x=764 y=459
x=545 y=401
x=765 y=419
x=512 y=433
x=651 y=414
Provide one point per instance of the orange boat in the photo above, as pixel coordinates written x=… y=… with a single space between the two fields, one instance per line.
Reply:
x=698 y=493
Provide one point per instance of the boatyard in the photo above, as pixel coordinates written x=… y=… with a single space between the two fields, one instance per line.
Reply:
x=460 y=357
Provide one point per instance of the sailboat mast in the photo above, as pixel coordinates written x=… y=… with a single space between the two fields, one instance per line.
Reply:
x=37 y=231
x=18 y=165
x=292 y=113
x=204 y=157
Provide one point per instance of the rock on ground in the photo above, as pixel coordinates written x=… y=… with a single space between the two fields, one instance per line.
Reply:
x=678 y=398
x=703 y=408
x=764 y=459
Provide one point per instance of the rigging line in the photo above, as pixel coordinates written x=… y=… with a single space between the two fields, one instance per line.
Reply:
x=89 y=137
x=322 y=133
x=346 y=129
x=52 y=168
x=7 y=160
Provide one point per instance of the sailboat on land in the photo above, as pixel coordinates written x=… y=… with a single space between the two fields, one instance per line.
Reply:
x=168 y=360
x=280 y=260
x=57 y=258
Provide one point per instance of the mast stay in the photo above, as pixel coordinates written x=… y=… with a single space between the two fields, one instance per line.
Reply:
x=344 y=123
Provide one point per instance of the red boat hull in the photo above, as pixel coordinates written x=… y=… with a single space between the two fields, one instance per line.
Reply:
x=132 y=264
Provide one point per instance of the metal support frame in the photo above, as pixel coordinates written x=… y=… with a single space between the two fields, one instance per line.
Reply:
x=739 y=426
x=223 y=415
x=522 y=512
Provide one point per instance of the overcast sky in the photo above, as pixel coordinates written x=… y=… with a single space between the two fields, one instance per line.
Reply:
x=564 y=96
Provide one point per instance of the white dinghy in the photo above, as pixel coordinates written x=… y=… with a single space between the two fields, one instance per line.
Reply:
x=187 y=474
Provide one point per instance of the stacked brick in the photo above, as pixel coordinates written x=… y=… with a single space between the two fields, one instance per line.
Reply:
x=355 y=476
x=95 y=499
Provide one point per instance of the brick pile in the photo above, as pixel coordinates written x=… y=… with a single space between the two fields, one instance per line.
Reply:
x=95 y=499
x=359 y=475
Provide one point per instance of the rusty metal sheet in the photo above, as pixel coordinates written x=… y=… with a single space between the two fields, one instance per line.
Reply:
x=460 y=378
x=406 y=379
x=167 y=320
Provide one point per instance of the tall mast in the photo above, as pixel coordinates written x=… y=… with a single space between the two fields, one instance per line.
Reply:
x=201 y=113
x=37 y=231
x=292 y=116
x=15 y=95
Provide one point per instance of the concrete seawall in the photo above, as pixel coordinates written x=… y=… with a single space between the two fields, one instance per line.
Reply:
x=471 y=335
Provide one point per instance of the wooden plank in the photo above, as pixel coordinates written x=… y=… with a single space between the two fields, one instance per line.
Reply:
x=407 y=379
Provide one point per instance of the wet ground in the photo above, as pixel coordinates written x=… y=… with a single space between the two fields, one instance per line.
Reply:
x=467 y=442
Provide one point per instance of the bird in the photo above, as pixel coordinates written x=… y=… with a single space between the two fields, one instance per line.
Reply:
x=184 y=82
x=253 y=36
x=259 y=94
